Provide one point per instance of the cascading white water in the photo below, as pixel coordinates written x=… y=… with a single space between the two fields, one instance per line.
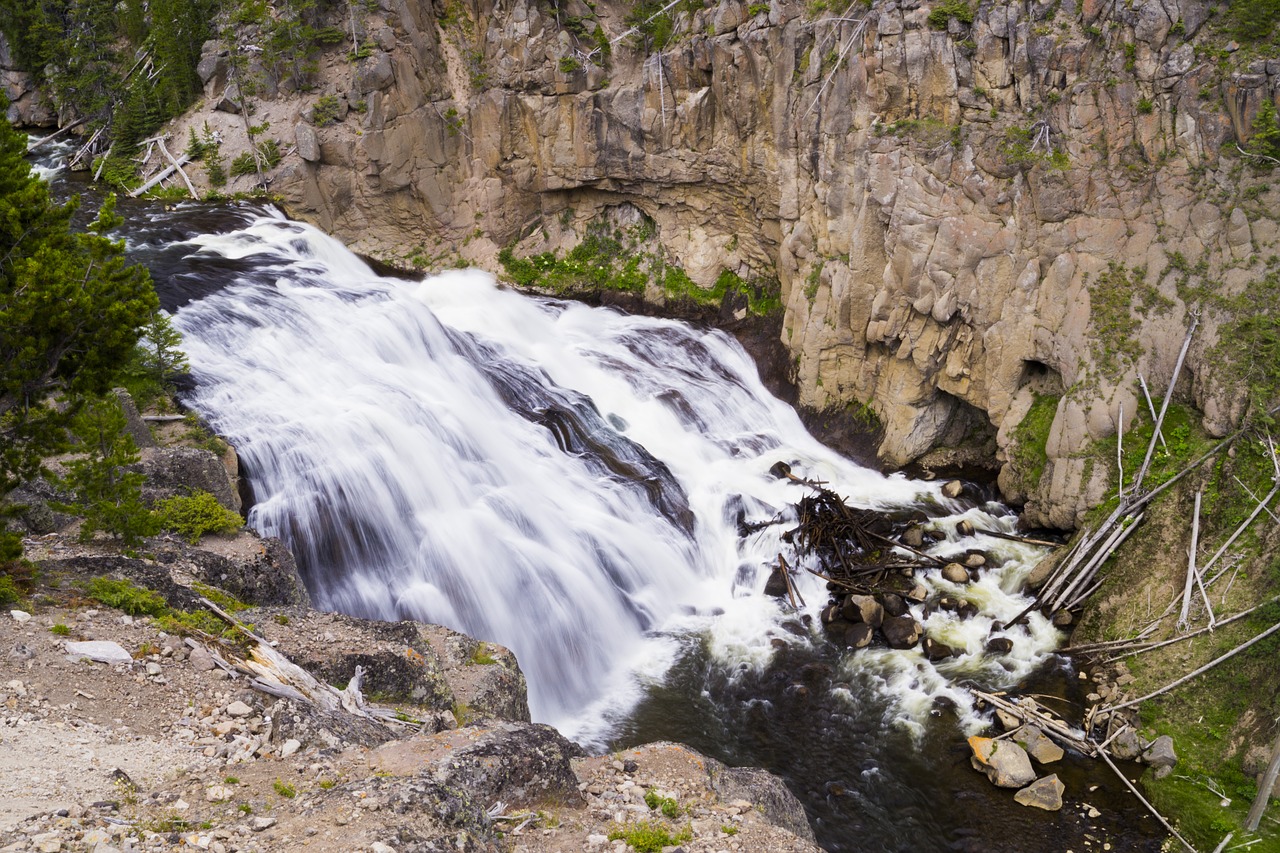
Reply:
x=563 y=480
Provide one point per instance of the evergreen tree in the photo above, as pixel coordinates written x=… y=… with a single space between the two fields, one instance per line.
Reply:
x=71 y=312
x=108 y=494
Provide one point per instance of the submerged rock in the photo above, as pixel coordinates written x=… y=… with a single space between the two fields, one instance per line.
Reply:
x=1037 y=745
x=1043 y=793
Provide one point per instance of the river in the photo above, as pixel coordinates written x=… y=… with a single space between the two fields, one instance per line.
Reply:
x=571 y=482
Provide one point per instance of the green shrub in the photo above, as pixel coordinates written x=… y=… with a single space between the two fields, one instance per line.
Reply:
x=9 y=591
x=1265 y=138
x=1145 y=106
x=60 y=629
x=757 y=9
x=124 y=595
x=326 y=110
x=569 y=64
x=649 y=836
x=940 y=16
x=244 y=164
x=192 y=516
x=669 y=807
x=284 y=789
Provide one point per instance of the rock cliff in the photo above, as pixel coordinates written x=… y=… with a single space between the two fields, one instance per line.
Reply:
x=968 y=209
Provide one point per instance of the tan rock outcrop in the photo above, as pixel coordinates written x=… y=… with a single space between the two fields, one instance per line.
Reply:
x=944 y=209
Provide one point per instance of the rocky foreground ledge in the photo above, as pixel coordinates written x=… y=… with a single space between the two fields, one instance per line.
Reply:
x=162 y=748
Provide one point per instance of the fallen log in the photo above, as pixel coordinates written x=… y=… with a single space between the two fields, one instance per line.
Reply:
x=274 y=674
x=1029 y=712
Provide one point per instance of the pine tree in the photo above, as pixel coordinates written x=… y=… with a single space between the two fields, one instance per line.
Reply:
x=108 y=494
x=71 y=312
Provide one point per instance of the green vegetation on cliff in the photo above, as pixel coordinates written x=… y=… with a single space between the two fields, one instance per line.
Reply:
x=620 y=260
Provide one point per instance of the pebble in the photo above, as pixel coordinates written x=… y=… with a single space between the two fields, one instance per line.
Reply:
x=20 y=616
x=239 y=709
x=290 y=747
x=261 y=823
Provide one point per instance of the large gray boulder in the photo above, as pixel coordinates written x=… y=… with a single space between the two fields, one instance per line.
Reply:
x=521 y=764
x=173 y=471
x=1005 y=763
x=767 y=792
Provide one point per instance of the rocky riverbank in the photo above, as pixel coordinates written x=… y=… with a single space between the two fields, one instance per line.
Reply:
x=157 y=747
x=123 y=726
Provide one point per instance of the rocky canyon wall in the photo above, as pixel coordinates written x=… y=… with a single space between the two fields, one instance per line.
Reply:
x=967 y=209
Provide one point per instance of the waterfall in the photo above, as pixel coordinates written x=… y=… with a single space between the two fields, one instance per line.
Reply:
x=564 y=480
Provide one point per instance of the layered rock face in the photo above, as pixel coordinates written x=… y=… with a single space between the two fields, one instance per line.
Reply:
x=963 y=216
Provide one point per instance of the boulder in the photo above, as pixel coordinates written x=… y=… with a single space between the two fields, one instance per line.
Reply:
x=521 y=764
x=999 y=646
x=893 y=604
x=267 y=575
x=901 y=632
x=1043 y=793
x=1038 y=745
x=913 y=536
x=953 y=489
x=955 y=573
x=863 y=608
x=172 y=471
x=1005 y=763
x=859 y=636
x=1126 y=746
x=374 y=73
x=1160 y=755
x=936 y=650
x=308 y=143
x=102 y=651
x=134 y=424
x=762 y=789
x=776 y=586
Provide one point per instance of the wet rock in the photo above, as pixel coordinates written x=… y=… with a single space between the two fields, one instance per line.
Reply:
x=913 y=536
x=964 y=527
x=893 y=604
x=955 y=573
x=1005 y=763
x=935 y=650
x=1038 y=745
x=1043 y=793
x=863 y=608
x=776 y=586
x=999 y=646
x=967 y=610
x=859 y=636
x=901 y=632
x=1160 y=756
x=975 y=560
x=1063 y=619
x=780 y=470
x=953 y=489
x=918 y=593
x=1007 y=721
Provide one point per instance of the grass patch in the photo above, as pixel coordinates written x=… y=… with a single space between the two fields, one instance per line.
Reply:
x=1031 y=436
x=649 y=836
x=1118 y=300
x=284 y=789
x=225 y=600
x=61 y=630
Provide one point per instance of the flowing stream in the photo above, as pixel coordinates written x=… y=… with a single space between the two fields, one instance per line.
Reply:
x=572 y=482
